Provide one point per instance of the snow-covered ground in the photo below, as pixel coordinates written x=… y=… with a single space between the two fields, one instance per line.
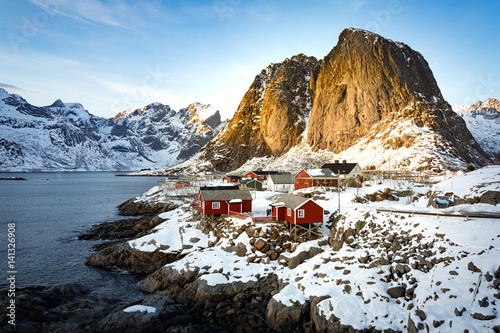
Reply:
x=443 y=265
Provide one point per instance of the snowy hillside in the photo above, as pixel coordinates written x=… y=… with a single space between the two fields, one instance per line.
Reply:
x=483 y=121
x=64 y=136
x=372 y=269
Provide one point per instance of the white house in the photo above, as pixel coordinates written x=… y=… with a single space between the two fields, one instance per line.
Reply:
x=281 y=183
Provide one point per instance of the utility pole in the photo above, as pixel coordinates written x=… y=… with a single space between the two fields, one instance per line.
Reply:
x=338 y=188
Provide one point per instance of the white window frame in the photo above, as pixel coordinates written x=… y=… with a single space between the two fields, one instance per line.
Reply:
x=289 y=211
x=301 y=213
x=215 y=205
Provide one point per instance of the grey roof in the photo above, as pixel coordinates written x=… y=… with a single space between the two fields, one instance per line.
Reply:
x=290 y=200
x=283 y=179
x=220 y=188
x=321 y=173
x=340 y=168
x=246 y=181
x=225 y=195
x=265 y=172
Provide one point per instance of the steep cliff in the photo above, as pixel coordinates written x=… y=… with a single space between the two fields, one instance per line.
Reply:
x=368 y=85
x=272 y=116
x=370 y=100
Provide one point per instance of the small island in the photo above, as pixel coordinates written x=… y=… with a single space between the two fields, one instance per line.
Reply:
x=13 y=178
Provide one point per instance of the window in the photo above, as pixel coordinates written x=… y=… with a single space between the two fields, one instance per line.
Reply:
x=215 y=205
x=289 y=211
x=300 y=213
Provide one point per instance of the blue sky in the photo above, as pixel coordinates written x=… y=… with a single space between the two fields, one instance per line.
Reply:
x=122 y=54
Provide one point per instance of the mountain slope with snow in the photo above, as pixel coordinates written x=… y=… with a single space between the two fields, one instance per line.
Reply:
x=370 y=100
x=64 y=136
x=483 y=121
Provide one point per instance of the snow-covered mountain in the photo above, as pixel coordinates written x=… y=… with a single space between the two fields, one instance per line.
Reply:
x=370 y=100
x=64 y=136
x=483 y=121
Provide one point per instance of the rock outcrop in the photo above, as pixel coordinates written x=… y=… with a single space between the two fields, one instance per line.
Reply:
x=272 y=116
x=71 y=308
x=368 y=90
x=368 y=81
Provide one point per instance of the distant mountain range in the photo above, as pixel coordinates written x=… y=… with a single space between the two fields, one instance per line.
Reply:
x=483 y=121
x=371 y=100
x=64 y=136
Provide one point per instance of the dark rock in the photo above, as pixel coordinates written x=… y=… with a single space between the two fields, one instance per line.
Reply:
x=453 y=273
x=298 y=259
x=260 y=244
x=473 y=268
x=497 y=273
x=480 y=316
x=484 y=302
x=285 y=317
x=132 y=260
x=411 y=327
x=132 y=207
x=421 y=314
x=490 y=197
x=396 y=291
x=488 y=277
x=121 y=229
x=437 y=323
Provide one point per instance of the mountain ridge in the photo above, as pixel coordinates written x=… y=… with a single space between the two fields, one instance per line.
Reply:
x=483 y=121
x=65 y=136
x=361 y=93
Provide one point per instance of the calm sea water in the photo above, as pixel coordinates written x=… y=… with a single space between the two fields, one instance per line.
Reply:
x=49 y=211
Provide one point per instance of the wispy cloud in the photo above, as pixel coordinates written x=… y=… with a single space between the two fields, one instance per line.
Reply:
x=16 y=88
x=115 y=13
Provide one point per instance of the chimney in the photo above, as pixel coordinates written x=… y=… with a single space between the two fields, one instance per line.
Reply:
x=336 y=161
x=344 y=162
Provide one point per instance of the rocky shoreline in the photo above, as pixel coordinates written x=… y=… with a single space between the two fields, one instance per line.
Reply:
x=71 y=308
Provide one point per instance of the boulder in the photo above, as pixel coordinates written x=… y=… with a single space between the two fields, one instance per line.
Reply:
x=299 y=258
x=396 y=291
x=283 y=317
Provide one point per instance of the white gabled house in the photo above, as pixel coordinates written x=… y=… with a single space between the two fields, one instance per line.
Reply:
x=281 y=183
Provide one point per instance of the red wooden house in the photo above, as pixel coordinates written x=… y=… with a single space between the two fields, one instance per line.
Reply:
x=315 y=177
x=231 y=179
x=182 y=184
x=260 y=175
x=219 y=200
x=296 y=210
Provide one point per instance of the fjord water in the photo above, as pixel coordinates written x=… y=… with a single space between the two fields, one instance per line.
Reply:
x=49 y=210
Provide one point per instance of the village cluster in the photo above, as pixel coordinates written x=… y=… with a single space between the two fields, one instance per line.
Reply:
x=234 y=196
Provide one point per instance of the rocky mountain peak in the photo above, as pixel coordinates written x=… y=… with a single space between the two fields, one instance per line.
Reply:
x=272 y=116
x=57 y=104
x=489 y=104
x=369 y=94
x=204 y=116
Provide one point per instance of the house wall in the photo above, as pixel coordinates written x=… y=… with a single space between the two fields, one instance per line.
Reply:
x=254 y=176
x=278 y=213
x=313 y=213
x=235 y=207
x=302 y=183
x=209 y=210
x=227 y=180
x=247 y=206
